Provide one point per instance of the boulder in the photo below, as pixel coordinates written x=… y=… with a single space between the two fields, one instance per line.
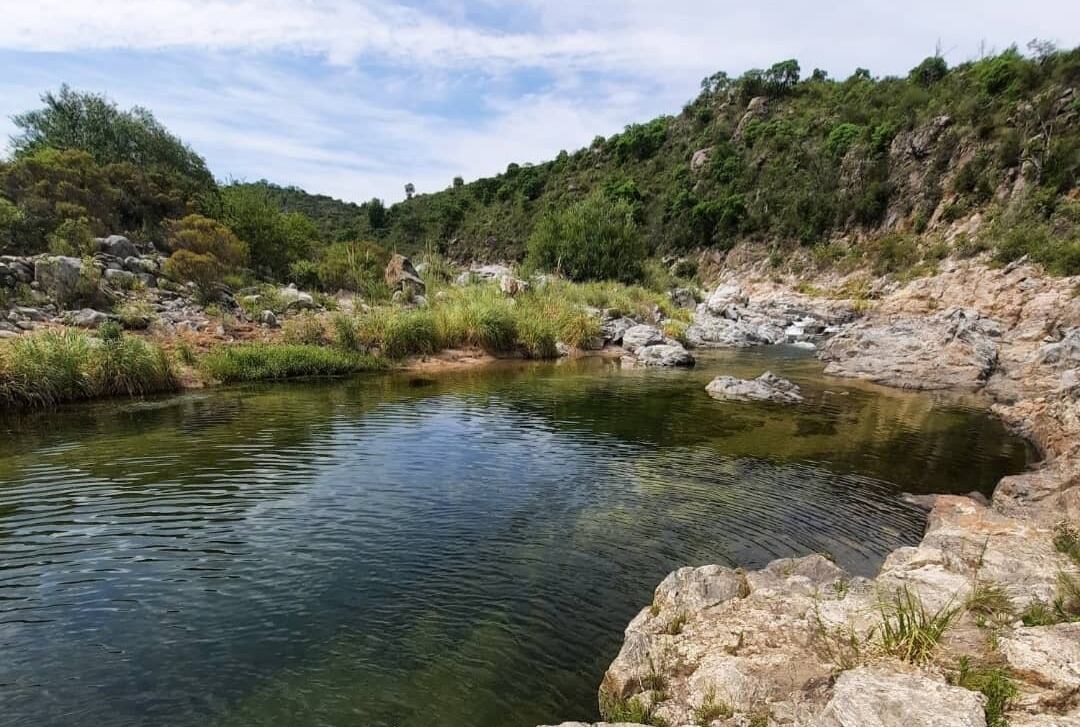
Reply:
x=640 y=336
x=88 y=318
x=400 y=275
x=268 y=319
x=614 y=329
x=59 y=276
x=118 y=246
x=954 y=349
x=767 y=387
x=512 y=286
x=490 y=272
x=700 y=159
x=664 y=355
x=683 y=298
x=123 y=278
x=869 y=697
x=1063 y=354
x=296 y=299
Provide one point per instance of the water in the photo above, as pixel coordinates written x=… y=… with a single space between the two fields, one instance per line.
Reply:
x=453 y=550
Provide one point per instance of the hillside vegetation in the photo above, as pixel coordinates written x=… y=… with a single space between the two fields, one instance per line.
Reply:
x=881 y=172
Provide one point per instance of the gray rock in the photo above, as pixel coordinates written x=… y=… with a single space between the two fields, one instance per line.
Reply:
x=296 y=299
x=88 y=318
x=512 y=286
x=267 y=318
x=700 y=159
x=31 y=314
x=641 y=336
x=490 y=272
x=117 y=246
x=664 y=355
x=767 y=387
x=683 y=298
x=147 y=279
x=614 y=329
x=1063 y=354
x=59 y=276
x=401 y=275
x=6 y=334
x=866 y=697
x=120 y=277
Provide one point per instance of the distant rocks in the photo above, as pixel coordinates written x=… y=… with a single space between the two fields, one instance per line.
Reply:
x=767 y=387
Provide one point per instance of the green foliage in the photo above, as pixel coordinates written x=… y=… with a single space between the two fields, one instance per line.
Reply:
x=1048 y=236
x=595 y=239
x=841 y=138
x=204 y=251
x=274 y=239
x=263 y=361
x=50 y=368
x=1067 y=540
x=73 y=238
x=632 y=710
x=907 y=630
x=930 y=71
x=354 y=266
x=94 y=124
x=640 y=141
x=304 y=329
x=994 y=683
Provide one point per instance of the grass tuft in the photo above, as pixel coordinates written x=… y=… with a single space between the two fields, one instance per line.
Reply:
x=908 y=630
x=994 y=683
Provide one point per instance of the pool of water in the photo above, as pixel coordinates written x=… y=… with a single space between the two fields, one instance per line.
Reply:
x=449 y=550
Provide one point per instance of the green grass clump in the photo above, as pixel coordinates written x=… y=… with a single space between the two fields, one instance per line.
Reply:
x=304 y=329
x=632 y=710
x=989 y=601
x=262 y=362
x=908 y=630
x=993 y=682
x=51 y=367
x=1067 y=540
x=712 y=709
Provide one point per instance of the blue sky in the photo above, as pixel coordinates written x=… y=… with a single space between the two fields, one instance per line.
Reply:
x=355 y=98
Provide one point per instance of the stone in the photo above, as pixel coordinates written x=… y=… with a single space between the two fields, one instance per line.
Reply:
x=88 y=318
x=1046 y=655
x=954 y=349
x=59 y=276
x=31 y=314
x=490 y=272
x=641 y=336
x=296 y=299
x=683 y=298
x=1063 y=354
x=699 y=159
x=512 y=286
x=869 y=697
x=122 y=278
x=664 y=355
x=268 y=319
x=767 y=387
x=400 y=275
x=614 y=329
x=117 y=246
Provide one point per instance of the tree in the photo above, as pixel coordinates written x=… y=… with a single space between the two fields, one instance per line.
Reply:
x=204 y=251
x=410 y=190
x=782 y=77
x=595 y=239
x=459 y=182
x=94 y=124
x=930 y=71
x=376 y=214
x=275 y=240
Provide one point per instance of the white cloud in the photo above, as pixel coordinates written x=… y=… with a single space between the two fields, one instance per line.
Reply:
x=356 y=98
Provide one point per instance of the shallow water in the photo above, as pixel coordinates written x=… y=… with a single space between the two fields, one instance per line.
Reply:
x=454 y=550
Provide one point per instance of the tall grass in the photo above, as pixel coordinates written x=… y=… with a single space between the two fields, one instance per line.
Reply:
x=479 y=316
x=265 y=362
x=908 y=630
x=51 y=367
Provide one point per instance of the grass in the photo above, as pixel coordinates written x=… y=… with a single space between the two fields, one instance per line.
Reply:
x=994 y=683
x=676 y=625
x=632 y=710
x=1064 y=608
x=1067 y=541
x=908 y=630
x=51 y=368
x=712 y=709
x=989 y=601
x=262 y=362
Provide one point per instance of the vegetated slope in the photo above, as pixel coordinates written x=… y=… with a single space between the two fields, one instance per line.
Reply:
x=337 y=221
x=785 y=161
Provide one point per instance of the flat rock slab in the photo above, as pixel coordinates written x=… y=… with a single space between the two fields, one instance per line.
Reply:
x=767 y=387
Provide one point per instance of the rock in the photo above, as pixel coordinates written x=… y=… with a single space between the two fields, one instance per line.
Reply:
x=59 y=276
x=490 y=272
x=31 y=314
x=296 y=299
x=147 y=279
x=641 y=336
x=700 y=159
x=869 y=697
x=5 y=335
x=562 y=349
x=268 y=319
x=955 y=349
x=511 y=286
x=400 y=275
x=664 y=355
x=724 y=297
x=149 y=265
x=120 y=277
x=1063 y=354
x=463 y=279
x=1048 y=656
x=683 y=298
x=615 y=328
x=756 y=109
x=767 y=387
x=117 y=246
x=88 y=318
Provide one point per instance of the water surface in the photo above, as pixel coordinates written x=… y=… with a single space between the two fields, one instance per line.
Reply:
x=461 y=550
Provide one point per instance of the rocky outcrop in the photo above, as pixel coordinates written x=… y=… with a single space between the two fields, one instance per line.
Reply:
x=867 y=697
x=651 y=347
x=59 y=276
x=401 y=276
x=767 y=387
x=954 y=349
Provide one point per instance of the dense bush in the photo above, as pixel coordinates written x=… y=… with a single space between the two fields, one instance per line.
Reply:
x=596 y=239
x=354 y=266
x=275 y=240
x=204 y=251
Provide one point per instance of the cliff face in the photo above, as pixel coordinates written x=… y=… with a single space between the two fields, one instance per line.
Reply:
x=975 y=625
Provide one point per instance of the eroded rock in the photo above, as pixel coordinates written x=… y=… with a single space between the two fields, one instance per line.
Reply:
x=767 y=387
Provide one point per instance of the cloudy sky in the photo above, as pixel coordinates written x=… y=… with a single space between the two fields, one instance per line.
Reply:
x=354 y=98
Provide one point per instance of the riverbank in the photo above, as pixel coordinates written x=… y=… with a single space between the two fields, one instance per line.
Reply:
x=977 y=625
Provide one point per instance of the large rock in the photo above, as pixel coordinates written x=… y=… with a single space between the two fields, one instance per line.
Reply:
x=868 y=697
x=88 y=318
x=664 y=354
x=296 y=299
x=401 y=276
x=59 y=276
x=1063 y=354
x=117 y=246
x=640 y=336
x=767 y=387
x=954 y=349
x=614 y=329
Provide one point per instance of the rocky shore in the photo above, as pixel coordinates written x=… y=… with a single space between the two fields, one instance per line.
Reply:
x=974 y=627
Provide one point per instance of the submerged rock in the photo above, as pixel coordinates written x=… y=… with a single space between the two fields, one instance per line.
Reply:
x=664 y=355
x=767 y=387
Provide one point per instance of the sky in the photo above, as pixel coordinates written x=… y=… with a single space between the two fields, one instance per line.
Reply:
x=355 y=99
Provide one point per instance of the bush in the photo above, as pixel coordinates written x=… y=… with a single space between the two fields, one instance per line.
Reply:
x=263 y=361
x=355 y=266
x=203 y=270
x=640 y=141
x=274 y=239
x=595 y=239
x=72 y=238
x=49 y=368
x=205 y=236
x=304 y=329
x=930 y=71
x=841 y=138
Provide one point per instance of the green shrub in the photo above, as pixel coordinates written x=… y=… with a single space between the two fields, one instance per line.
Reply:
x=930 y=71
x=304 y=329
x=263 y=361
x=73 y=238
x=595 y=239
x=640 y=141
x=204 y=236
x=841 y=138
x=49 y=368
x=203 y=270
x=344 y=332
x=355 y=266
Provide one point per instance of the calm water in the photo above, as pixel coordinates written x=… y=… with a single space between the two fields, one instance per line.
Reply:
x=460 y=550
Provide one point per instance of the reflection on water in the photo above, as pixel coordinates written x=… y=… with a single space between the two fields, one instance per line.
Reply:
x=462 y=549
